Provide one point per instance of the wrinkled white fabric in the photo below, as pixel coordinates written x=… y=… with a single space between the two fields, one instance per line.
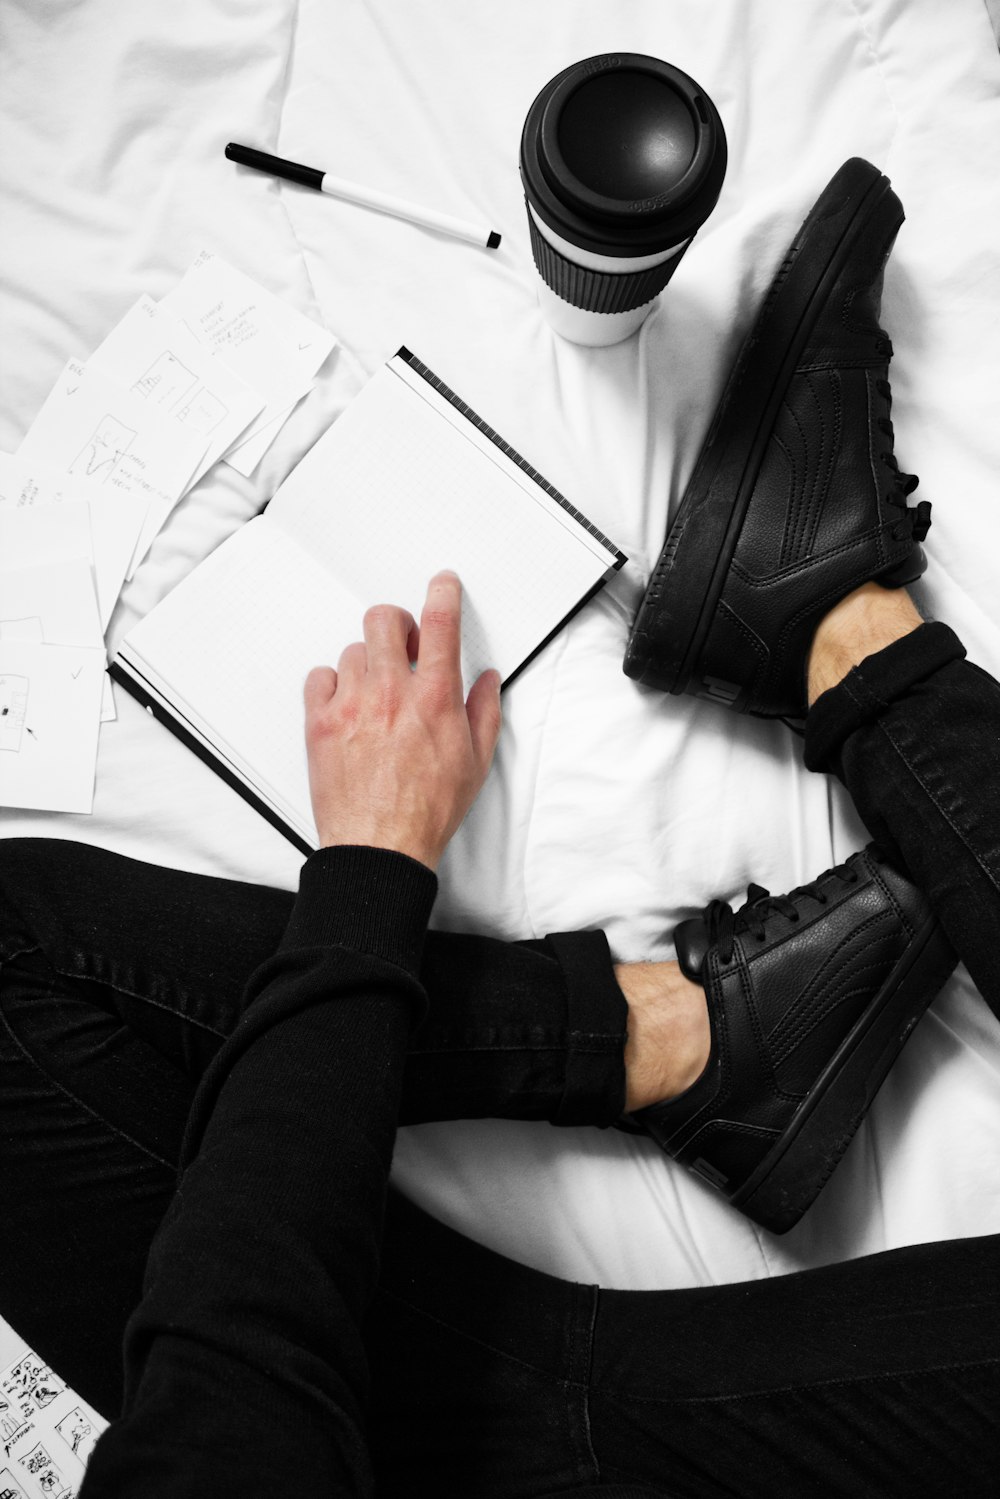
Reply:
x=610 y=805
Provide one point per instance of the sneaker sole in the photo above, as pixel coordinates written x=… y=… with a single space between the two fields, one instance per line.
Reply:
x=795 y=1170
x=680 y=602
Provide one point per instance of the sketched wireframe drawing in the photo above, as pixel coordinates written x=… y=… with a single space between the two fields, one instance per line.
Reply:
x=43 y=1470
x=201 y=410
x=167 y=380
x=9 y=1486
x=31 y=1380
x=13 y=708
x=104 y=450
x=77 y=1431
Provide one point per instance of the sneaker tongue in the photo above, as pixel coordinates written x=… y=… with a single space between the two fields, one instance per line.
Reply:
x=691 y=942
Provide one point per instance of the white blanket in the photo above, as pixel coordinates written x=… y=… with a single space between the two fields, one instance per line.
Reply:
x=610 y=805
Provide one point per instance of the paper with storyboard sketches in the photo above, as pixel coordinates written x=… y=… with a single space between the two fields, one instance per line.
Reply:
x=273 y=347
x=53 y=601
x=114 y=523
x=158 y=357
x=99 y=430
x=210 y=372
x=47 y=1432
x=50 y=703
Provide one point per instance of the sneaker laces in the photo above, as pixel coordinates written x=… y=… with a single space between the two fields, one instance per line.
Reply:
x=914 y=520
x=724 y=924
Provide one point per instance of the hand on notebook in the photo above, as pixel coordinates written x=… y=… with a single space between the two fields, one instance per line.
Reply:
x=396 y=754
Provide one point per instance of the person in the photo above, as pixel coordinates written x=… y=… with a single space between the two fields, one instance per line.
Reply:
x=130 y=1044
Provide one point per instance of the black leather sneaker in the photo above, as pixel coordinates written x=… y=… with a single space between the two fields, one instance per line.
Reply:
x=810 y=996
x=796 y=497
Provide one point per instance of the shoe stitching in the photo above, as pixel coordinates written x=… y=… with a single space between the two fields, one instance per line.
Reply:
x=861 y=539
x=890 y=897
x=787 y=550
x=828 y=972
x=869 y=388
x=825 y=981
x=793 y=1041
x=824 y=1003
x=814 y=510
x=763 y=1133
x=811 y=469
x=738 y=624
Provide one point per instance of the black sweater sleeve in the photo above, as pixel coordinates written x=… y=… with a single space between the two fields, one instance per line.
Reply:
x=245 y=1371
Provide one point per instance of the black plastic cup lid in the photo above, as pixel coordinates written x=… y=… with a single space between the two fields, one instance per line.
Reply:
x=623 y=154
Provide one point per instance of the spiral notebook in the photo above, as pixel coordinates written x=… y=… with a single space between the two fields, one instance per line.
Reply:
x=407 y=480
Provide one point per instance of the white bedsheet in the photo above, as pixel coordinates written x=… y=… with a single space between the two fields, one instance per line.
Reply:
x=610 y=805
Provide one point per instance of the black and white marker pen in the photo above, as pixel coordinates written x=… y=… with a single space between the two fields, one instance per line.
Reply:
x=368 y=197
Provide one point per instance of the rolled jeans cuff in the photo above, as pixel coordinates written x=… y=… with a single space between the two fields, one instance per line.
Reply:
x=597 y=1017
x=869 y=688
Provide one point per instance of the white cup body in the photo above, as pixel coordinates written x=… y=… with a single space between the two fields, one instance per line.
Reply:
x=577 y=324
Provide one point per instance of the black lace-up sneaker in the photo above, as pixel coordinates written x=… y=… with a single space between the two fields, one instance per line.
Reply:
x=796 y=498
x=810 y=996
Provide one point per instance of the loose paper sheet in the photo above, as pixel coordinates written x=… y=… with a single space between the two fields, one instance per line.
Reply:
x=50 y=701
x=272 y=346
x=99 y=430
x=115 y=519
x=47 y=1432
x=47 y=575
x=59 y=596
x=158 y=358
x=245 y=457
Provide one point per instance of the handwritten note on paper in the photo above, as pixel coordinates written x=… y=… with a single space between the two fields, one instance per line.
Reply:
x=159 y=358
x=100 y=431
x=115 y=520
x=272 y=346
x=50 y=702
x=47 y=1432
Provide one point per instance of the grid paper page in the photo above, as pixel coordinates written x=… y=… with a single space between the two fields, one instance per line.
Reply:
x=396 y=490
x=236 y=641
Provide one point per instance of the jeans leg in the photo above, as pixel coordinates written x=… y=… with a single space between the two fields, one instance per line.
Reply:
x=914 y=734
x=118 y=983
x=493 y=1380
x=515 y=1030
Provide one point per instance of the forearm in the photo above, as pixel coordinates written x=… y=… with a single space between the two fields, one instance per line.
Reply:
x=245 y=1369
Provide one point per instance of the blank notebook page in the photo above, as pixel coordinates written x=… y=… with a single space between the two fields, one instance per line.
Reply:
x=397 y=489
x=235 y=642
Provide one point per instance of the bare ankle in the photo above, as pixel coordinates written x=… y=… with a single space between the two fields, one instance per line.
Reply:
x=864 y=622
x=669 y=1036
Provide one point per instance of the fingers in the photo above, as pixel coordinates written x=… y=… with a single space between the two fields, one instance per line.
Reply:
x=441 y=631
x=320 y=685
x=387 y=631
x=483 y=708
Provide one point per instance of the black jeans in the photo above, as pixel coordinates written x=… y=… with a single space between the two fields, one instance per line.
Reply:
x=881 y=1376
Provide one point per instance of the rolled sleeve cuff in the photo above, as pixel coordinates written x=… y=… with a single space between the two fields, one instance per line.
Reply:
x=371 y=900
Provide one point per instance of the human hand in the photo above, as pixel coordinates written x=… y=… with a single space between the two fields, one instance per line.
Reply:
x=396 y=755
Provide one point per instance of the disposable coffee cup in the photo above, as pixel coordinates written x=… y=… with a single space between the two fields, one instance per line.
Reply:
x=622 y=160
